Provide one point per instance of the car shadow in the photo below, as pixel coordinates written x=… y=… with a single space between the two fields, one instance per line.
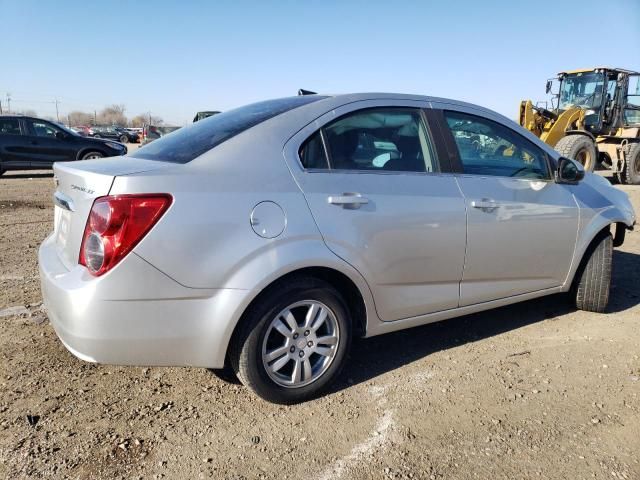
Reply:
x=23 y=175
x=375 y=356
x=625 y=289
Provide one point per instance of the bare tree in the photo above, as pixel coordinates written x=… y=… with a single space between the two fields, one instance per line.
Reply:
x=113 y=115
x=145 y=119
x=76 y=118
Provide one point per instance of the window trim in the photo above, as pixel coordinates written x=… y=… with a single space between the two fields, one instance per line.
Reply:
x=454 y=154
x=435 y=151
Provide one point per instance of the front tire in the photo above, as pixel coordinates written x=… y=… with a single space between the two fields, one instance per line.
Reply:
x=92 y=155
x=593 y=279
x=580 y=148
x=293 y=343
x=631 y=173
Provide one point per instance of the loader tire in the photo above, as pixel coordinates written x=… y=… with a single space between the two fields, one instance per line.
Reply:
x=580 y=148
x=631 y=173
x=593 y=278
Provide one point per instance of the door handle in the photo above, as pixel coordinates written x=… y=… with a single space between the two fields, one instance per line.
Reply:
x=486 y=204
x=348 y=200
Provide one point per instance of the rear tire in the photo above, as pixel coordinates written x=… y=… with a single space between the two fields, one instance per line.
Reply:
x=580 y=148
x=314 y=350
x=593 y=279
x=124 y=139
x=92 y=155
x=631 y=173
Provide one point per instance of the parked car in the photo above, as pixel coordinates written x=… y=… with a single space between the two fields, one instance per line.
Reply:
x=153 y=132
x=266 y=237
x=28 y=143
x=136 y=130
x=115 y=133
x=83 y=130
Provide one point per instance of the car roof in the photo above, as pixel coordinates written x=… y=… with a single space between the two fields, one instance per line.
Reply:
x=329 y=102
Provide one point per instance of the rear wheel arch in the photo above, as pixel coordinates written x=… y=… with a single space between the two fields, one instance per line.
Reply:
x=351 y=294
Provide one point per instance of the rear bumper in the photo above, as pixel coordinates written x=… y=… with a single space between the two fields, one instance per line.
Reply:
x=136 y=315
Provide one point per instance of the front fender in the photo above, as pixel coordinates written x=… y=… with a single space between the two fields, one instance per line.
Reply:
x=601 y=205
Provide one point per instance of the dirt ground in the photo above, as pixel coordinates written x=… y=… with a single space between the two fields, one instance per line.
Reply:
x=535 y=390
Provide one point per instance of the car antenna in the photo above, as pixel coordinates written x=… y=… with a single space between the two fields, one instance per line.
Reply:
x=302 y=91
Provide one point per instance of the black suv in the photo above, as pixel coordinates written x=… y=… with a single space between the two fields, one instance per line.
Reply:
x=115 y=133
x=28 y=143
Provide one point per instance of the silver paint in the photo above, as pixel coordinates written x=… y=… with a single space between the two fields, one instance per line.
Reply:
x=420 y=247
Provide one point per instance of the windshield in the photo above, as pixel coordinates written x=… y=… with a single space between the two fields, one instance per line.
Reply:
x=190 y=142
x=582 y=90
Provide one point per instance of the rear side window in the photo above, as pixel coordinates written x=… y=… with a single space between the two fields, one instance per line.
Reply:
x=9 y=126
x=190 y=142
x=486 y=147
x=375 y=139
x=312 y=154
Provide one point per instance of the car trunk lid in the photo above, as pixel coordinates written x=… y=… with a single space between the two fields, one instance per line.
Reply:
x=78 y=184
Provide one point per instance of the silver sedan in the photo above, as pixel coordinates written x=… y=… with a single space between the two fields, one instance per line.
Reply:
x=264 y=238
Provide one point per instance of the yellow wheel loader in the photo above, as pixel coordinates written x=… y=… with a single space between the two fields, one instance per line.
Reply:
x=594 y=118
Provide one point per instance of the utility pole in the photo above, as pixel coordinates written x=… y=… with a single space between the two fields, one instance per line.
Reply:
x=95 y=118
x=0 y=107
x=8 y=102
x=57 y=114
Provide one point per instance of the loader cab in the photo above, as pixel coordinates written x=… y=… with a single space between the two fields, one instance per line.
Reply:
x=590 y=91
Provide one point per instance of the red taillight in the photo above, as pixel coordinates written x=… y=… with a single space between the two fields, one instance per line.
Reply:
x=115 y=226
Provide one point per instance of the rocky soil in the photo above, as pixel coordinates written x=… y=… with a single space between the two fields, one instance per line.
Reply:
x=535 y=390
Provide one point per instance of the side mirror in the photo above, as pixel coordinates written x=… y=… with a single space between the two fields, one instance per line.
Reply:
x=569 y=171
x=548 y=88
x=61 y=135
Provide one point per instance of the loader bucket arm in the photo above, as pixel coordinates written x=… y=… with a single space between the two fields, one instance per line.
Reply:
x=530 y=119
x=570 y=119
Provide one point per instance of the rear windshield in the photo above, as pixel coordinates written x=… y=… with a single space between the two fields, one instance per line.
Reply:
x=190 y=142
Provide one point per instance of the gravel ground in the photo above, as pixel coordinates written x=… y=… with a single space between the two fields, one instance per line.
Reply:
x=535 y=390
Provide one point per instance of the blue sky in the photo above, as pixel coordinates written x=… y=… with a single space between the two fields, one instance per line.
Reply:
x=174 y=58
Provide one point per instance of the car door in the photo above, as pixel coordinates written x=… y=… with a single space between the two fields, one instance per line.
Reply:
x=13 y=143
x=521 y=225
x=384 y=203
x=48 y=144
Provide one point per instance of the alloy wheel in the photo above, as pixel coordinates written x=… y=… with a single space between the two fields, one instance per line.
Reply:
x=300 y=343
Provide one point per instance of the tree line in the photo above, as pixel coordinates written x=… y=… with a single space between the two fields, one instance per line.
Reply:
x=110 y=115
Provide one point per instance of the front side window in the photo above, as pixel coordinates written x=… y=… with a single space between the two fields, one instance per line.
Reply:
x=9 y=126
x=43 y=129
x=377 y=139
x=632 y=108
x=486 y=147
